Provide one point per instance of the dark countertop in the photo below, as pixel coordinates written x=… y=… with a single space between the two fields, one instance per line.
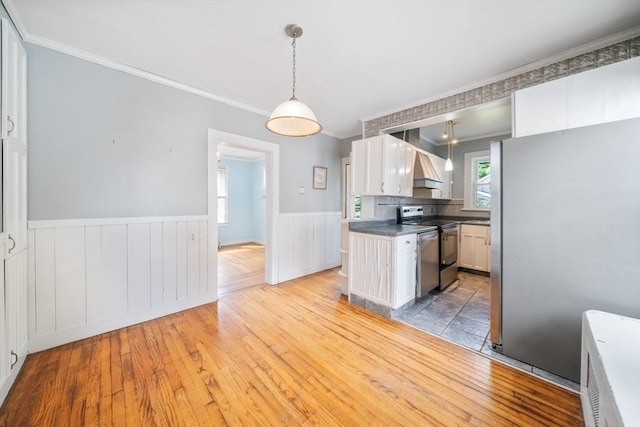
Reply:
x=393 y=230
x=390 y=228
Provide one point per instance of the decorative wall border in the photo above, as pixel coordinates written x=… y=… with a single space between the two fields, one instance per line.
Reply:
x=613 y=53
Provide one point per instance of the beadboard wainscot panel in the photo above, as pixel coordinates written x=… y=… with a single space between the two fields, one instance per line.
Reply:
x=309 y=242
x=92 y=276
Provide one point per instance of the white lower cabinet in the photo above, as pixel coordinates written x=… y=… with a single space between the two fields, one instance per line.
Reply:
x=13 y=339
x=382 y=269
x=475 y=247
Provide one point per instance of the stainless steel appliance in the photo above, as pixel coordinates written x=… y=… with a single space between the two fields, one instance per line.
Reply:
x=447 y=268
x=428 y=265
x=565 y=238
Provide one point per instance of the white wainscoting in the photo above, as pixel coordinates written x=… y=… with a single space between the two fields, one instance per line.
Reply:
x=91 y=276
x=309 y=242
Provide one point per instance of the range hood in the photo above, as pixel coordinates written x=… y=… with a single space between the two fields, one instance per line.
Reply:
x=425 y=174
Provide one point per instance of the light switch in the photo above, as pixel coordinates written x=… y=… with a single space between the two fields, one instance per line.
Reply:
x=300 y=190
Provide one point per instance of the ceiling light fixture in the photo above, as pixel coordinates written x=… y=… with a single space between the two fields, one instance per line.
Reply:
x=292 y=117
x=449 y=132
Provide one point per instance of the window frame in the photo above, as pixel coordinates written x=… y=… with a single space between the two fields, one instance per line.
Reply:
x=225 y=170
x=471 y=161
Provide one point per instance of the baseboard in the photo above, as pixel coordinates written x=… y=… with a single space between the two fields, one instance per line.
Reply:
x=238 y=242
x=472 y=271
x=44 y=342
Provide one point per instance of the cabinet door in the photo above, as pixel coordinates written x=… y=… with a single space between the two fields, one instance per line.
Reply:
x=370 y=267
x=16 y=309
x=390 y=166
x=474 y=247
x=14 y=192
x=405 y=277
x=604 y=94
x=359 y=167
x=367 y=167
x=406 y=159
x=541 y=108
x=14 y=85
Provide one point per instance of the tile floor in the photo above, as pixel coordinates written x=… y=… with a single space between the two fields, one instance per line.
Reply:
x=460 y=314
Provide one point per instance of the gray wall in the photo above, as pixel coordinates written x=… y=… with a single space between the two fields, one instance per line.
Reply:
x=457 y=157
x=104 y=143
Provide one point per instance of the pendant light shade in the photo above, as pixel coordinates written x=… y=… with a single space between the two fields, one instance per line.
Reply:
x=448 y=165
x=449 y=133
x=292 y=117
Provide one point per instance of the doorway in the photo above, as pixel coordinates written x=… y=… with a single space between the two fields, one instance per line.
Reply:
x=271 y=154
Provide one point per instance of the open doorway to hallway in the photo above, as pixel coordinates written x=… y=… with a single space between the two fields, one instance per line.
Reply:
x=241 y=184
x=271 y=201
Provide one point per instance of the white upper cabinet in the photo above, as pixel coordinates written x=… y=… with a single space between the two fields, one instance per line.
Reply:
x=14 y=85
x=382 y=166
x=596 y=96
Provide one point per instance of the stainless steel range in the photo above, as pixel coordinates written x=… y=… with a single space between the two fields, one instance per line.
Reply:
x=447 y=265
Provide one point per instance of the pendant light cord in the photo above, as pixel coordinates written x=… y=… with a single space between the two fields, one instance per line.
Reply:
x=293 y=43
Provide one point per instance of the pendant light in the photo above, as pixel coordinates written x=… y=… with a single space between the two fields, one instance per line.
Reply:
x=292 y=117
x=449 y=133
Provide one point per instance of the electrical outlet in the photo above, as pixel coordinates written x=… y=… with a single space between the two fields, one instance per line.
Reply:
x=431 y=209
x=300 y=190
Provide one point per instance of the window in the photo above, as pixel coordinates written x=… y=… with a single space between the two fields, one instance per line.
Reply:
x=477 y=180
x=223 y=199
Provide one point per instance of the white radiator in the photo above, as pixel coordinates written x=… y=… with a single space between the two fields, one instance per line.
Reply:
x=610 y=370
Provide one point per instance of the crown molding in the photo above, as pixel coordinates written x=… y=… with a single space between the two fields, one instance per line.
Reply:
x=96 y=59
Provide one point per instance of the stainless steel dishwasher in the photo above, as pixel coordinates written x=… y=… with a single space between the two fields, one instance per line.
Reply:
x=429 y=262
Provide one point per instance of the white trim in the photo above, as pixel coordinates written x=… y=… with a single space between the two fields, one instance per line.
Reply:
x=82 y=222
x=327 y=213
x=570 y=53
x=239 y=242
x=226 y=192
x=100 y=60
x=16 y=18
x=468 y=191
x=43 y=342
x=272 y=165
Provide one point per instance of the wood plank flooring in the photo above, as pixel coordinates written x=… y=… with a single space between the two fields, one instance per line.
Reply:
x=240 y=267
x=292 y=354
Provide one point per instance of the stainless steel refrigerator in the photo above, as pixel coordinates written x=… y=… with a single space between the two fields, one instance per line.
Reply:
x=565 y=238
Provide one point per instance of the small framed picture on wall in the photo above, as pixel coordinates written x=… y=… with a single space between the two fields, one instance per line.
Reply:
x=320 y=177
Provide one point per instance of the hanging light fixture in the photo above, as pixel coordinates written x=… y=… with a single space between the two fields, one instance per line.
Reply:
x=449 y=133
x=292 y=117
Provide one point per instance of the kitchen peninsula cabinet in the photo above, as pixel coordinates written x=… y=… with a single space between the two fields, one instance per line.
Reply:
x=382 y=269
x=475 y=247
x=382 y=166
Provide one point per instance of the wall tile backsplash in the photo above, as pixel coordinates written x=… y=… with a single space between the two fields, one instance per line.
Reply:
x=600 y=57
x=386 y=208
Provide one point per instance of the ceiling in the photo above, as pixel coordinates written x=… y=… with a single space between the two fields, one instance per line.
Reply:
x=357 y=60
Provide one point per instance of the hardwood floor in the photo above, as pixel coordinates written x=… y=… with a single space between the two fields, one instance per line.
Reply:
x=240 y=267
x=292 y=354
